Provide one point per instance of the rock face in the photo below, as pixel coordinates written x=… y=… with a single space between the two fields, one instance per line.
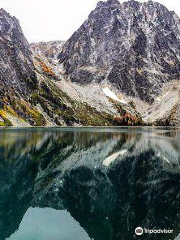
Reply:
x=48 y=49
x=28 y=93
x=134 y=46
x=17 y=72
x=48 y=52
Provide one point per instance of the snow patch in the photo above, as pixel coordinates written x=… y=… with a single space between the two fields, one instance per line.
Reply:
x=162 y=97
x=112 y=95
x=166 y=94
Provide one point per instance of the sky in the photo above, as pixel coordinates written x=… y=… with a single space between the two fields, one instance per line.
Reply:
x=46 y=20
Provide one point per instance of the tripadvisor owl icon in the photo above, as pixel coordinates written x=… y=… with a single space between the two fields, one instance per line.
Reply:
x=138 y=231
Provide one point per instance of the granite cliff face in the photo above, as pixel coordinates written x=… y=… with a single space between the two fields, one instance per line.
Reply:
x=133 y=46
x=17 y=72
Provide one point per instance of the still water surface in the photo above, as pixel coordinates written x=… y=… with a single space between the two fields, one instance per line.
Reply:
x=82 y=184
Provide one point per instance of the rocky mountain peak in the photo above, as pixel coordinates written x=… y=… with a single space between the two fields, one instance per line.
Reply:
x=133 y=46
x=7 y=22
x=113 y=2
x=109 y=3
x=16 y=65
x=4 y=13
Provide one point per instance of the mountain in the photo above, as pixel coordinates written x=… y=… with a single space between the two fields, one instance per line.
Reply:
x=121 y=67
x=133 y=46
x=17 y=71
x=30 y=82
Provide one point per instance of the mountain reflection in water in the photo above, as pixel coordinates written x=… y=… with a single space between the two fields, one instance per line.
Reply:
x=108 y=182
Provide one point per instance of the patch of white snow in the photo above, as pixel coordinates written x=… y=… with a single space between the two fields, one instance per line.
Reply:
x=112 y=95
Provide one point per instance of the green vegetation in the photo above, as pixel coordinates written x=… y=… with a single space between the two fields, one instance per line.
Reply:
x=89 y=116
x=20 y=109
x=60 y=106
x=6 y=121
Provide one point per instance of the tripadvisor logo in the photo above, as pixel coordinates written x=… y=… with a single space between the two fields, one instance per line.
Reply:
x=139 y=231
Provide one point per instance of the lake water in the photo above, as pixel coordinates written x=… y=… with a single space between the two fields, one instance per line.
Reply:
x=90 y=183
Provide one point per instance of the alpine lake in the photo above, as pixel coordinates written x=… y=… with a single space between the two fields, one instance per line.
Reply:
x=89 y=183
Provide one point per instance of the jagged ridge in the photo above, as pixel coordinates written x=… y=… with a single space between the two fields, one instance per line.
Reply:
x=135 y=46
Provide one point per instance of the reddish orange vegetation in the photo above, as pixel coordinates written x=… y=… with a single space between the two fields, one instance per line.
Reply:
x=46 y=69
x=126 y=120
